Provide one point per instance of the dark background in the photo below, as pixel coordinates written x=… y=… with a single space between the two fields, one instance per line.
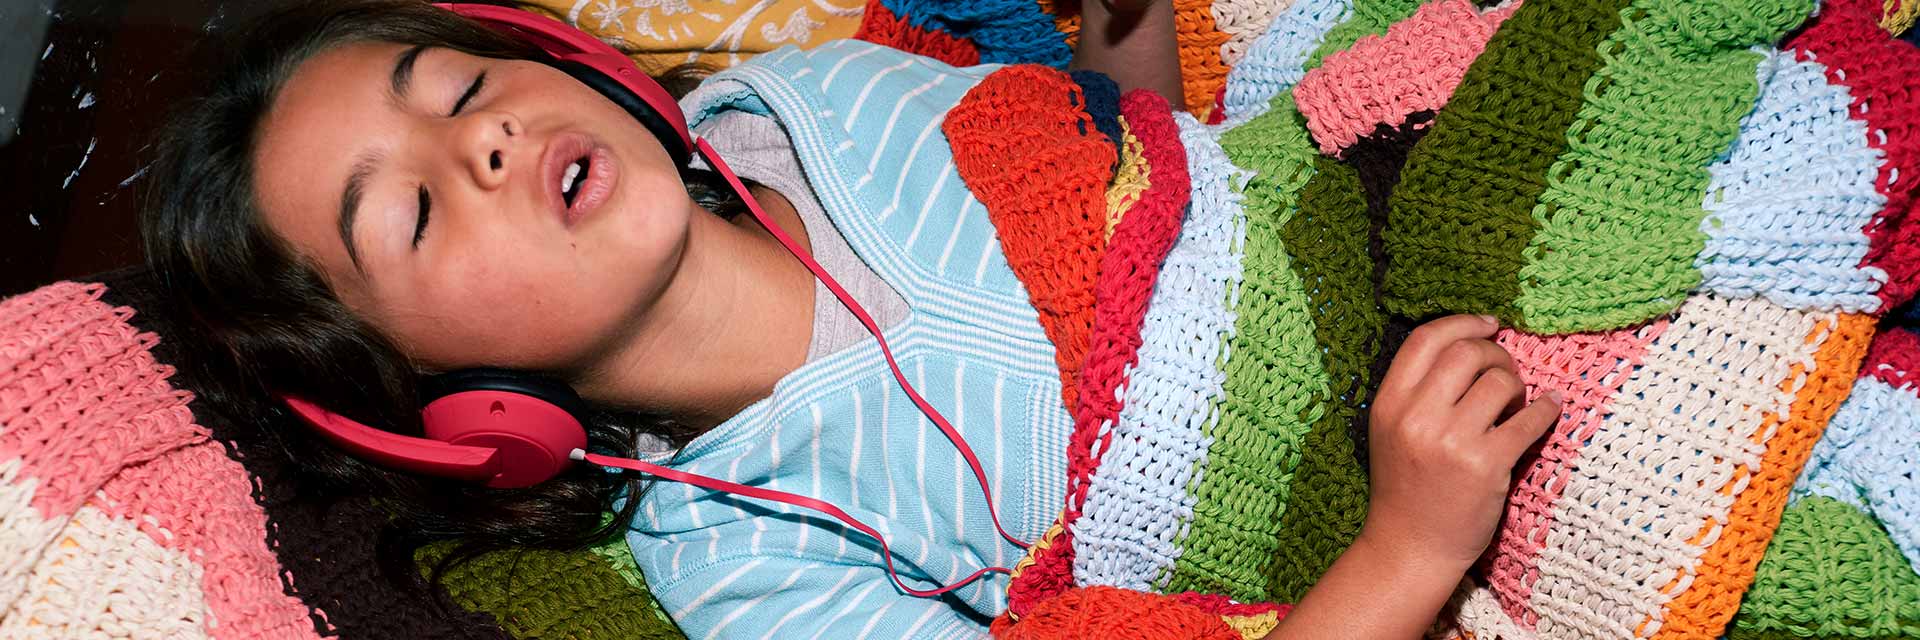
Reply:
x=84 y=84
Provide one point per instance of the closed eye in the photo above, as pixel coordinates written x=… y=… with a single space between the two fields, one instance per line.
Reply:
x=472 y=90
x=420 y=225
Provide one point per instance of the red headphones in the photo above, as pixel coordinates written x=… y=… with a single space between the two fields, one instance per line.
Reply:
x=508 y=429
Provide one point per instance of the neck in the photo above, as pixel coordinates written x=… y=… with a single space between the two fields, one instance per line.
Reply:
x=736 y=318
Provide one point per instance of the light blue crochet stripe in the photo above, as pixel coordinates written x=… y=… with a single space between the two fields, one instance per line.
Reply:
x=1277 y=60
x=1137 y=501
x=1866 y=459
x=1786 y=207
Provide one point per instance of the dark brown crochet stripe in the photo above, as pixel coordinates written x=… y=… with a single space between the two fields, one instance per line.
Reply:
x=326 y=550
x=1378 y=158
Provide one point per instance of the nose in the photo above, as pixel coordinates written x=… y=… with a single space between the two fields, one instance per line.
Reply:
x=487 y=142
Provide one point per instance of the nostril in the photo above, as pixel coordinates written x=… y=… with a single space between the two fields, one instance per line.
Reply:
x=494 y=160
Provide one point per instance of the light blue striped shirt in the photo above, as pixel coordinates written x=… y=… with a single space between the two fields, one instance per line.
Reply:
x=865 y=123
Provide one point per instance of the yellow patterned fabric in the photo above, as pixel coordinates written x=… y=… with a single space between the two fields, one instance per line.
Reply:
x=716 y=33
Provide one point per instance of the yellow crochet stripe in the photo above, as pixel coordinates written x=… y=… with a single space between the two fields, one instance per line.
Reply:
x=1253 y=627
x=1130 y=180
x=1900 y=15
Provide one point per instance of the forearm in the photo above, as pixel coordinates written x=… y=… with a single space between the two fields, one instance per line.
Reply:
x=1136 y=48
x=1372 y=591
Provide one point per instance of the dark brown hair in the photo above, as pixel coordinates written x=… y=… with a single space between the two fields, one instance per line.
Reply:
x=264 y=322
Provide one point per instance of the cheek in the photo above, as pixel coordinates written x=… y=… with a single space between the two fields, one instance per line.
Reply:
x=516 y=312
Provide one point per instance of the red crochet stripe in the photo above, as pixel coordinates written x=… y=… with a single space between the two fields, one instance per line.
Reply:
x=879 y=25
x=1894 y=358
x=1127 y=275
x=1880 y=73
x=1224 y=606
x=1025 y=146
x=1112 y=612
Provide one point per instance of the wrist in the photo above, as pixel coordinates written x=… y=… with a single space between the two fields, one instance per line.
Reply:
x=1404 y=561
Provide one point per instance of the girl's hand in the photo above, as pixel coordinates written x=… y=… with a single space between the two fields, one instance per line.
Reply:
x=1448 y=425
x=1441 y=468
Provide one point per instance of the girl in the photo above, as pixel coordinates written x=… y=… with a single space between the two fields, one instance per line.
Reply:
x=378 y=190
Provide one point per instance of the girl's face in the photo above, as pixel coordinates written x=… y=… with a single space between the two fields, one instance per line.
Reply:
x=433 y=190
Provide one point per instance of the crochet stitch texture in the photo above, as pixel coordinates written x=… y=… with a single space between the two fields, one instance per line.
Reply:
x=1677 y=219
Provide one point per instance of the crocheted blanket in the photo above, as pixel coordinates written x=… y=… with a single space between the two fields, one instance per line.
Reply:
x=134 y=510
x=1694 y=225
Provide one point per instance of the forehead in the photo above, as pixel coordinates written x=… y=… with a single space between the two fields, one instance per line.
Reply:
x=333 y=108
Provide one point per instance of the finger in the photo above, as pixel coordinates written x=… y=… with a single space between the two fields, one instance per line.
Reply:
x=1498 y=393
x=1422 y=348
x=1519 y=432
x=1460 y=364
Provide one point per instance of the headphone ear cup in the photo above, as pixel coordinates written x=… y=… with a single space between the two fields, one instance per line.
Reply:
x=534 y=422
x=673 y=141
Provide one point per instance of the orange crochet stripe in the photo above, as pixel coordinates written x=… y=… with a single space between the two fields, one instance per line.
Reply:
x=1202 y=72
x=1030 y=153
x=1066 y=19
x=1727 y=568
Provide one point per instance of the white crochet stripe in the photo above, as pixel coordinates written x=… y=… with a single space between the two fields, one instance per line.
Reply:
x=1137 y=504
x=1243 y=21
x=1277 y=60
x=1787 y=207
x=24 y=532
x=112 y=579
x=1668 y=462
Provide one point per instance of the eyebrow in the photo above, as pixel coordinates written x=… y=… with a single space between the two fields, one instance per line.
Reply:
x=363 y=168
x=402 y=77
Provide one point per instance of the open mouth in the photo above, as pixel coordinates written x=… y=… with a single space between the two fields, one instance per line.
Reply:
x=580 y=174
x=574 y=177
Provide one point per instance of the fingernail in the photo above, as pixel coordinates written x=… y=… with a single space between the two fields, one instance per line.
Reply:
x=1555 y=396
x=1490 y=319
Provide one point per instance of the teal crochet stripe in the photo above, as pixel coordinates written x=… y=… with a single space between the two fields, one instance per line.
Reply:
x=1618 y=226
x=1370 y=18
x=1462 y=212
x=1327 y=240
x=1273 y=375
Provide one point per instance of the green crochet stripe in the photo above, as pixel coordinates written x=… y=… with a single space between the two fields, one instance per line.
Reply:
x=620 y=556
x=1369 y=18
x=1462 y=212
x=1273 y=374
x=538 y=593
x=1327 y=240
x=1619 y=223
x=1830 y=572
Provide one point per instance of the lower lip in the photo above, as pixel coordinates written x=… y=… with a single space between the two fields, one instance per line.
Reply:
x=597 y=185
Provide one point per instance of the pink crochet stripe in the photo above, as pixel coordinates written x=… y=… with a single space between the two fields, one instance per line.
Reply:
x=1878 y=70
x=200 y=501
x=1128 y=270
x=81 y=397
x=1587 y=369
x=88 y=412
x=1383 y=79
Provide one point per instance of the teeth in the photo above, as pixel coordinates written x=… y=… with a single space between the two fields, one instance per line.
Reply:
x=567 y=179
